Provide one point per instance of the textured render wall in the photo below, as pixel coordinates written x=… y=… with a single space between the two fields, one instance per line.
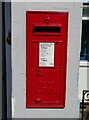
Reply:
x=19 y=60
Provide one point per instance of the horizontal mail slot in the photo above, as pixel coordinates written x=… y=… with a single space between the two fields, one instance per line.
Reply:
x=46 y=30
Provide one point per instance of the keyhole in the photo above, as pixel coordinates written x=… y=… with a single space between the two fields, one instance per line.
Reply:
x=38 y=71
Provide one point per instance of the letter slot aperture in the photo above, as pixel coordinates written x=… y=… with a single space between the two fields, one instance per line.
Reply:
x=46 y=29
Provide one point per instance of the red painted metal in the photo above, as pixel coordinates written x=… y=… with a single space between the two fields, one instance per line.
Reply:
x=46 y=86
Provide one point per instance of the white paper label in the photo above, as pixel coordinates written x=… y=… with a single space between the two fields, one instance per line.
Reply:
x=46 y=54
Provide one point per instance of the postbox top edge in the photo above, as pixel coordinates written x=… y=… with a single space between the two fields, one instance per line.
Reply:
x=47 y=12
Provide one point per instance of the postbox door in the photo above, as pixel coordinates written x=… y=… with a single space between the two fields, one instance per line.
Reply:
x=46 y=74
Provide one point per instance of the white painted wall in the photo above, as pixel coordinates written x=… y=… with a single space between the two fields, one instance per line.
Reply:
x=83 y=78
x=19 y=60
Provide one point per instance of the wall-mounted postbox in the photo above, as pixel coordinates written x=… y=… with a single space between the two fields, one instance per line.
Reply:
x=46 y=57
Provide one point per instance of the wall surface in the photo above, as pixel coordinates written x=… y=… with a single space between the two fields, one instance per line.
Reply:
x=83 y=78
x=19 y=109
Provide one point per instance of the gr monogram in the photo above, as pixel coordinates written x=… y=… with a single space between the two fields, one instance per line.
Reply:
x=46 y=87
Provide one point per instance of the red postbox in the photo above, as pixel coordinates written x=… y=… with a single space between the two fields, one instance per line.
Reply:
x=46 y=57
